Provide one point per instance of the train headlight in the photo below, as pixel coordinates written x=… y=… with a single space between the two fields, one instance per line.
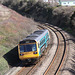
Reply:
x=34 y=52
x=21 y=54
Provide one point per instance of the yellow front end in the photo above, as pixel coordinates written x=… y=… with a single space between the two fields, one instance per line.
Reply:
x=28 y=55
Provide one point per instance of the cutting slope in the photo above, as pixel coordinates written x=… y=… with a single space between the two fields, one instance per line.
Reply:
x=13 y=28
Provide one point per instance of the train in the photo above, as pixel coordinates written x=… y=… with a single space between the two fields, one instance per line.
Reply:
x=34 y=44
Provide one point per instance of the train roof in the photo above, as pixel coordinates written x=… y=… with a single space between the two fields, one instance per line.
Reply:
x=36 y=35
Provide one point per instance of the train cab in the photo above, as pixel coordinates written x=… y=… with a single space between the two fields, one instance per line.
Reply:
x=28 y=49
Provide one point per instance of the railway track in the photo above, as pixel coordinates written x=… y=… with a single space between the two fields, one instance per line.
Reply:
x=55 y=64
x=28 y=69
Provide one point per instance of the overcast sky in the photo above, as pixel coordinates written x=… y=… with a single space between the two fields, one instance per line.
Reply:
x=47 y=0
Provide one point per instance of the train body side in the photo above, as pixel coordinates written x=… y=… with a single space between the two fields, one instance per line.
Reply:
x=38 y=41
x=43 y=43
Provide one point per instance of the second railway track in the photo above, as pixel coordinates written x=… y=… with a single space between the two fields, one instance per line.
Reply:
x=54 y=67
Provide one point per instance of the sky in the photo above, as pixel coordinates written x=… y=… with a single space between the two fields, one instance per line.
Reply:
x=61 y=0
x=47 y=0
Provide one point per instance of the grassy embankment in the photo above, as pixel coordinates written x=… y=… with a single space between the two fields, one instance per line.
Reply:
x=13 y=28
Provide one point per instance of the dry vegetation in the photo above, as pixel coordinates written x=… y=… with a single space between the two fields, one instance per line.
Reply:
x=63 y=17
x=13 y=28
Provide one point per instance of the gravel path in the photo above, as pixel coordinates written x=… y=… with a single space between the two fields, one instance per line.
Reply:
x=69 y=65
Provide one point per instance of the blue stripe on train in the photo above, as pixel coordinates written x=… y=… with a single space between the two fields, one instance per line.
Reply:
x=45 y=42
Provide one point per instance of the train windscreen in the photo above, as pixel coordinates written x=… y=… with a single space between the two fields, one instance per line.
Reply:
x=28 y=48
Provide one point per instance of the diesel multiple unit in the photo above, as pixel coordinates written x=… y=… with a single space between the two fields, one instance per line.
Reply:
x=34 y=44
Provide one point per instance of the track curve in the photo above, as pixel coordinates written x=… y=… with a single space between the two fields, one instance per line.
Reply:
x=64 y=52
x=50 y=70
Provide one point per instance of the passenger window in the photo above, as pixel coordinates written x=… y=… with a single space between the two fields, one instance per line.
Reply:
x=42 y=41
x=47 y=36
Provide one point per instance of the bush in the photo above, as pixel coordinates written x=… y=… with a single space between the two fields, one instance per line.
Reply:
x=60 y=16
x=72 y=22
